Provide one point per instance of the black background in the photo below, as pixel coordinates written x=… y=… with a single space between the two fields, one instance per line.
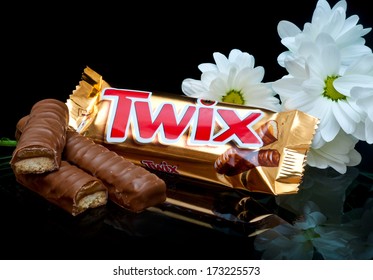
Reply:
x=137 y=45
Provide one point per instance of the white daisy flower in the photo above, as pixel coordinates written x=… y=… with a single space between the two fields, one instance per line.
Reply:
x=320 y=85
x=233 y=79
x=311 y=87
x=337 y=154
x=347 y=34
x=365 y=102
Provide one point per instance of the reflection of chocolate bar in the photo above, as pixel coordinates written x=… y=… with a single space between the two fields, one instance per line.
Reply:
x=69 y=187
x=130 y=186
x=43 y=138
x=235 y=161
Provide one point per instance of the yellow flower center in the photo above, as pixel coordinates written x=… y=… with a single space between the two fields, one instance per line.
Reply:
x=310 y=234
x=329 y=90
x=234 y=96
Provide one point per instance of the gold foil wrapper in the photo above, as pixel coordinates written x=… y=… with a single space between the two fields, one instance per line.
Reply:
x=223 y=144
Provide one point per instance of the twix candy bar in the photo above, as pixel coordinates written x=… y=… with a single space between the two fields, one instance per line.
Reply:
x=66 y=186
x=225 y=144
x=39 y=148
x=69 y=187
x=128 y=185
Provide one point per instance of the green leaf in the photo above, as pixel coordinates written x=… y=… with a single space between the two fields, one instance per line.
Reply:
x=6 y=142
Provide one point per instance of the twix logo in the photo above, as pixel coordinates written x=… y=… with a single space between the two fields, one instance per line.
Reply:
x=163 y=166
x=206 y=123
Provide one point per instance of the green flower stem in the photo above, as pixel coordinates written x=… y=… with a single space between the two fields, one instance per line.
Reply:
x=6 y=142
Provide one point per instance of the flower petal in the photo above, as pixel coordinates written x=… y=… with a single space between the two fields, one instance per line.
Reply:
x=222 y=63
x=192 y=87
x=337 y=154
x=287 y=29
x=345 y=83
x=369 y=131
x=204 y=67
x=345 y=116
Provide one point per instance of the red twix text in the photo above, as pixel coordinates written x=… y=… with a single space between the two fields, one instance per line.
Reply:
x=206 y=123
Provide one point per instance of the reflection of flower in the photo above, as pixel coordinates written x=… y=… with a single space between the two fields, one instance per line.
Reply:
x=234 y=80
x=330 y=76
x=323 y=230
x=294 y=241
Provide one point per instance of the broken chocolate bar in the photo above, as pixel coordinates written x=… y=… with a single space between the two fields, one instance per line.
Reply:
x=43 y=138
x=69 y=187
x=130 y=186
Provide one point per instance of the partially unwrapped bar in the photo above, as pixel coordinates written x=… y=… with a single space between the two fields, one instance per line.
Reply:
x=229 y=145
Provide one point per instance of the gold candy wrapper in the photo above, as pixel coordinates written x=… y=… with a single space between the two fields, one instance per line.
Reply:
x=227 y=145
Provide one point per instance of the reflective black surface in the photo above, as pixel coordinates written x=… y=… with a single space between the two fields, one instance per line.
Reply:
x=330 y=218
x=35 y=229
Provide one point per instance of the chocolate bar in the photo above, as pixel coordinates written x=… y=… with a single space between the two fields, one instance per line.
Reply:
x=235 y=161
x=20 y=126
x=69 y=187
x=130 y=186
x=43 y=138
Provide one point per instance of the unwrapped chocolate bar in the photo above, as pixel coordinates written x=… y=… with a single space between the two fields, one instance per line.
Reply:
x=220 y=143
x=69 y=187
x=40 y=146
x=129 y=186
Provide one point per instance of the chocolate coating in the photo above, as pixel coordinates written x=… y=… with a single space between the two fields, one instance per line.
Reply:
x=130 y=186
x=39 y=147
x=20 y=125
x=69 y=187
